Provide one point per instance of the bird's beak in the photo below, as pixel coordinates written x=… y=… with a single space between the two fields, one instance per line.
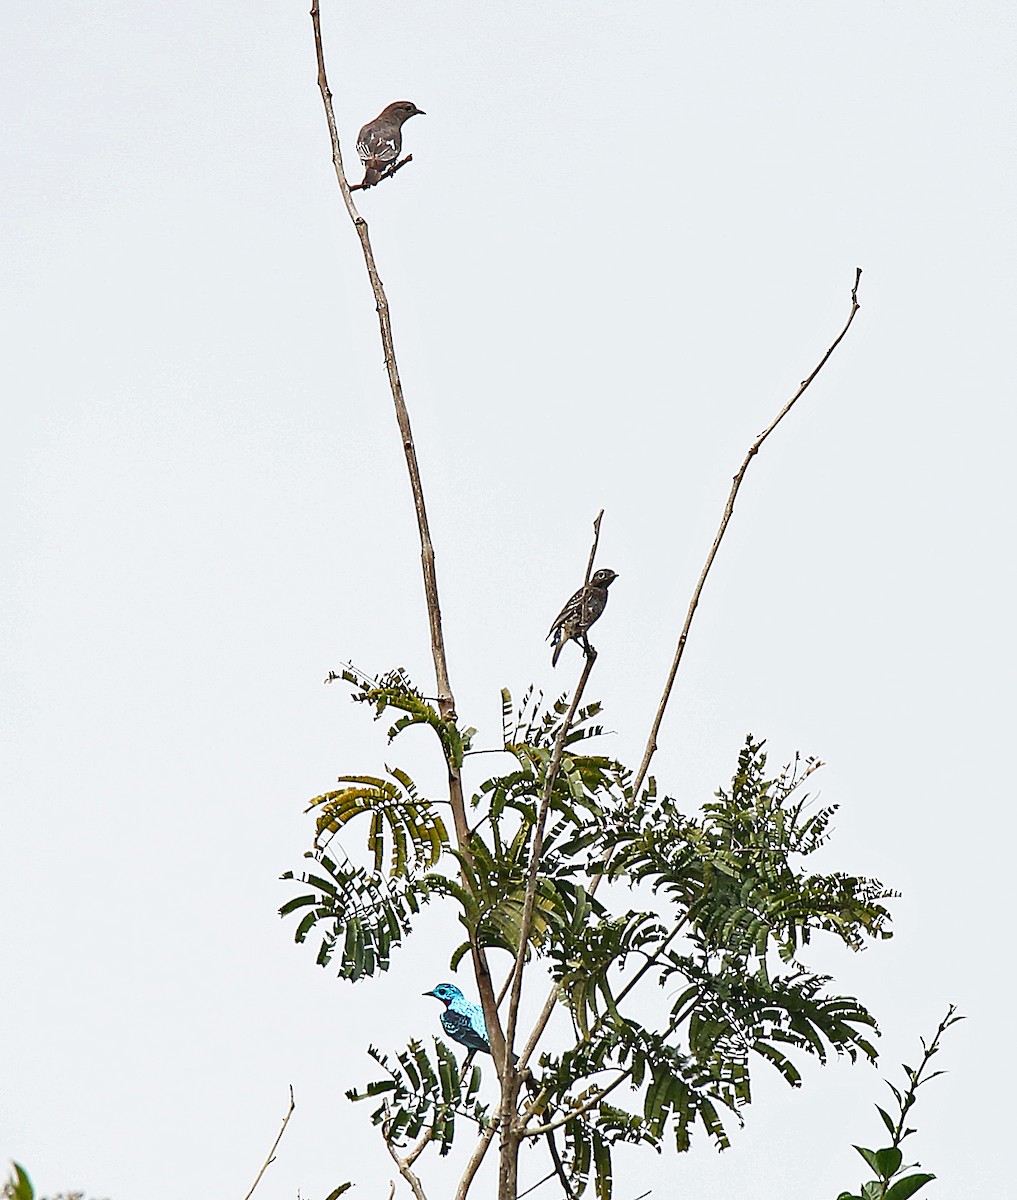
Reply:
x=420 y=113
x=427 y=993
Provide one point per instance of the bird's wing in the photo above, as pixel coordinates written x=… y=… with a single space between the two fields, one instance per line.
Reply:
x=569 y=611
x=462 y=1027
x=382 y=145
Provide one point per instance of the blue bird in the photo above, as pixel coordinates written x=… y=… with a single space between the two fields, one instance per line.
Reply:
x=462 y=1020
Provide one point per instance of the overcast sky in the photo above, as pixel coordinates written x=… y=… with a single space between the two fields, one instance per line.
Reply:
x=628 y=231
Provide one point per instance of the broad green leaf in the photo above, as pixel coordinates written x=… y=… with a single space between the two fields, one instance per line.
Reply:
x=888 y=1162
x=907 y=1186
x=870 y=1156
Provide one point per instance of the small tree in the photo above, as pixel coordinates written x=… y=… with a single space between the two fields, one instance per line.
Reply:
x=540 y=863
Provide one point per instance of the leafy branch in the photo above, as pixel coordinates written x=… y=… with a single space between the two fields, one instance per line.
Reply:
x=891 y=1183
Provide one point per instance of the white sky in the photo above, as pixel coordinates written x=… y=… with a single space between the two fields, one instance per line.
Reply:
x=629 y=230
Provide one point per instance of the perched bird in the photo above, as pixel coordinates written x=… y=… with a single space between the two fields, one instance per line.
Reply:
x=380 y=142
x=462 y=1020
x=572 y=623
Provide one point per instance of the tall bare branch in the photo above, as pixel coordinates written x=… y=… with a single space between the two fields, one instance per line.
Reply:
x=445 y=697
x=446 y=700
x=651 y=743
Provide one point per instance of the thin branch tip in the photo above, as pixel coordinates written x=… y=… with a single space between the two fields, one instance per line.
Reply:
x=651 y=741
x=275 y=1145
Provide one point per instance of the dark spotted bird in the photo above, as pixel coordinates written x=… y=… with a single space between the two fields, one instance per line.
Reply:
x=462 y=1020
x=380 y=142
x=575 y=619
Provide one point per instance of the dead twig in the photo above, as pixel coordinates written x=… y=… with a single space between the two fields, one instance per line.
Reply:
x=651 y=743
x=275 y=1145
x=593 y=549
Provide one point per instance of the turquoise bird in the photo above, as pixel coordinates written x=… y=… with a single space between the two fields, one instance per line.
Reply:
x=462 y=1020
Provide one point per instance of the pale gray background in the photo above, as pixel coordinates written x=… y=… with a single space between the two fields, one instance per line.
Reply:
x=629 y=230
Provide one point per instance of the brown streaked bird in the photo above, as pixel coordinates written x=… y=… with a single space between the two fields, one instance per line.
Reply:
x=575 y=619
x=380 y=142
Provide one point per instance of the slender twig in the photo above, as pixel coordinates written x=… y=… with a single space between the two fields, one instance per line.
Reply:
x=550 y=778
x=446 y=700
x=533 y=1187
x=651 y=743
x=403 y=1165
x=651 y=746
x=429 y=1133
x=476 y=1158
x=275 y=1145
x=559 y=1168
x=526 y=923
x=538 y=1029
x=395 y=384
x=391 y=1189
x=593 y=548
x=512 y=1072
x=900 y=1132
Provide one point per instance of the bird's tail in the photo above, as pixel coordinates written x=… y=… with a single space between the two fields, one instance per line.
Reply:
x=558 y=646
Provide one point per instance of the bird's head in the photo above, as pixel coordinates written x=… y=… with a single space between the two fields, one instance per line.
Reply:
x=402 y=110
x=603 y=578
x=445 y=992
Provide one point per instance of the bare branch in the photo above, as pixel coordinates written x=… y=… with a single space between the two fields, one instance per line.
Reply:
x=446 y=700
x=275 y=1145
x=651 y=744
x=533 y=1187
x=411 y=1177
x=550 y=778
x=538 y=1029
x=593 y=548
x=476 y=1158
x=395 y=384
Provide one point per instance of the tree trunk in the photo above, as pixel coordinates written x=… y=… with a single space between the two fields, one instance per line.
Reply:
x=508 y=1144
x=508 y=1165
